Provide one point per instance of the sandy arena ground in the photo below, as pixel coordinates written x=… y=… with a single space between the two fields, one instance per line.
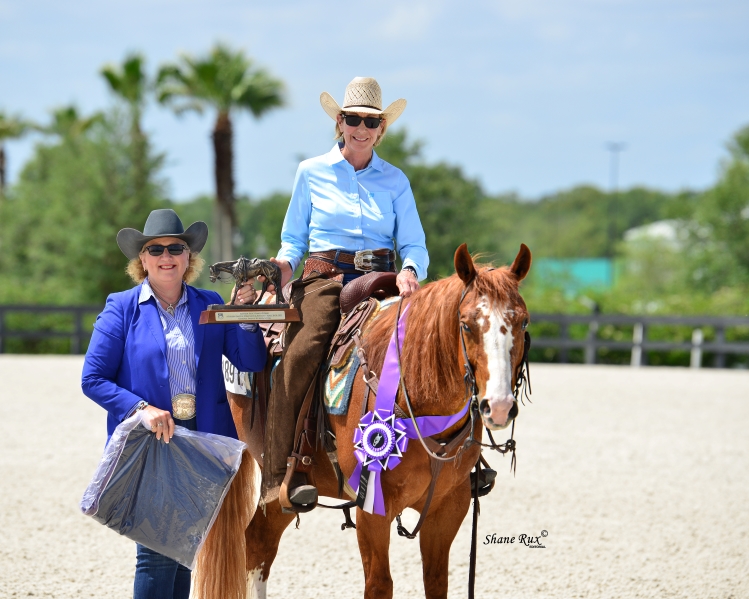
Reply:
x=640 y=478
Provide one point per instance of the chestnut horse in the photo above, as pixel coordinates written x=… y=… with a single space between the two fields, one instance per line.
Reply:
x=483 y=306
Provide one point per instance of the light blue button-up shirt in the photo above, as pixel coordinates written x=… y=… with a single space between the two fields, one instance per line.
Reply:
x=334 y=207
x=180 y=341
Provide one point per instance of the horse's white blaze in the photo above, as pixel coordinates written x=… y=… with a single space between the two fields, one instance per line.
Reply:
x=256 y=586
x=497 y=346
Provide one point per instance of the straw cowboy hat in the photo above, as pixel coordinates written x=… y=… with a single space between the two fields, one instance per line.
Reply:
x=162 y=223
x=363 y=95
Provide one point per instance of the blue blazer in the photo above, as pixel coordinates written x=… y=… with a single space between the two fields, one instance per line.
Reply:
x=126 y=359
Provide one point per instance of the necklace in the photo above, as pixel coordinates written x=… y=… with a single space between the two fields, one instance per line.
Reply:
x=170 y=306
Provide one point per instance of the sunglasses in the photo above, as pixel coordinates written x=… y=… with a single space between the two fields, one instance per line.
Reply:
x=354 y=120
x=175 y=249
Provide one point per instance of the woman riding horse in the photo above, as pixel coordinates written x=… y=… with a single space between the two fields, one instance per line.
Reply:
x=346 y=209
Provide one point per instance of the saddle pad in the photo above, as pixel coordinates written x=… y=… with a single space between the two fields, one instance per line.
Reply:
x=339 y=380
x=338 y=383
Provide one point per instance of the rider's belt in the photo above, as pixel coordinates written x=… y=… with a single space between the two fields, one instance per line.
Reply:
x=382 y=260
x=183 y=406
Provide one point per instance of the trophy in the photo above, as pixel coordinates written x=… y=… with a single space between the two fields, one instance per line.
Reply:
x=241 y=271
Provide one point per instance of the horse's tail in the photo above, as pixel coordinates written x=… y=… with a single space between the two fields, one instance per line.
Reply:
x=221 y=572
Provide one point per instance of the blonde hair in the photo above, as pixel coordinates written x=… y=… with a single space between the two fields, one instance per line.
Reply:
x=138 y=274
x=339 y=132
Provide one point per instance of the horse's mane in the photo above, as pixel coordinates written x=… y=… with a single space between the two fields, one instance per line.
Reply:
x=431 y=359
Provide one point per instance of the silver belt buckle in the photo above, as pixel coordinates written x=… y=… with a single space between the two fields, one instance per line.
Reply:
x=363 y=260
x=183 y=406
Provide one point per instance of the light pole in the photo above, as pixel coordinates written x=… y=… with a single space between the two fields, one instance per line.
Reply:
x=615 y=148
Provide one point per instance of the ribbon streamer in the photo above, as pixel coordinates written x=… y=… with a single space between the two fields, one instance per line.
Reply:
x=381 y=439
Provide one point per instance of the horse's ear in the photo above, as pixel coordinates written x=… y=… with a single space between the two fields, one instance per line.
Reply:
x=464 y=264
x=522 y=263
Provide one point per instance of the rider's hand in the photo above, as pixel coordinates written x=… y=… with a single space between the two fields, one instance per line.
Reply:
x=286 y=273
x=246 y=293
x=159 y=421
x=407 y=282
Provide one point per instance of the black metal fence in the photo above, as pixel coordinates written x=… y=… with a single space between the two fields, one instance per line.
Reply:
x=46 y=329
x=640 y=340
x=697 y=341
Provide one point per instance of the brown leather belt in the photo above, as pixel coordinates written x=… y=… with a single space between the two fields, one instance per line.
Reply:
x=364 y=260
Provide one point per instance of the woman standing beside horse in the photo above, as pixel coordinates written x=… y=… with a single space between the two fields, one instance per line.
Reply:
x=347 y=208
x=148 y=353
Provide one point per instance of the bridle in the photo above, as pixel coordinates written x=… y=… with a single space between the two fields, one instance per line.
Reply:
x=522 y=383
x=522 y=387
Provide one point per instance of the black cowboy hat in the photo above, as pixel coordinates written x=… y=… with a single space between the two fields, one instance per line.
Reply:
x=162 y=223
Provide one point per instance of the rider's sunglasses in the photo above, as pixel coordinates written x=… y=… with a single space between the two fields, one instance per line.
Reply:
x=175 y=249
x=354 y=120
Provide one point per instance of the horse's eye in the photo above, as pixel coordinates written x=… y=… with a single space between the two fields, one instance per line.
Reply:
x=465 y=327
x=525 y=324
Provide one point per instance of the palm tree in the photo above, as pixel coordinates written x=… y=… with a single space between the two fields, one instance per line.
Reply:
x=11 y=127
x=130 y=83
x=68 y=124
x=226 y=81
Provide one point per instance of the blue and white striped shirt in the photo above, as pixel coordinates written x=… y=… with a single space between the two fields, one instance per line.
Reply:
x=180 y=341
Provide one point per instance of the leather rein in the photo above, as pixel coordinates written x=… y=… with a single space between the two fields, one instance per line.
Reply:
x=439 y=452
x=471 y=394
x=439 y=456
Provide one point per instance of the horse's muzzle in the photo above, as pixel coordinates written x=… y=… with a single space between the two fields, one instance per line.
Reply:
x=493 y=417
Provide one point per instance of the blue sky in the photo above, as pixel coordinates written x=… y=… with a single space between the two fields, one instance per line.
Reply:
x=524 y=95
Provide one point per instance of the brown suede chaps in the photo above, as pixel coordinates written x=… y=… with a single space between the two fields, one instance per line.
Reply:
x=306 y=343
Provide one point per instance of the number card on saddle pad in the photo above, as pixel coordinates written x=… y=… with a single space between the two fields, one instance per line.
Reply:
x=234 y=380
x=163 y=496
x=340 y=375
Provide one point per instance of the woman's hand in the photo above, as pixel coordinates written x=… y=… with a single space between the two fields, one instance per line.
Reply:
x=407 y=282
x=159 y=421
x=246 y=294
x=286 y=273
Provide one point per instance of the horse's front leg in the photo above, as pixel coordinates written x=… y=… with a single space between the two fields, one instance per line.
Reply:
x=373 y=534
x=263 y=536
x=437 y=535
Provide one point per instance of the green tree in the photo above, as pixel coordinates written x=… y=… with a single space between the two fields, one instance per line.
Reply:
x=259 y=220
x=58 y=227
x=225 y=81
x=720 y=230
x=130 y=83
x=586 y=222
x=261 y=224
x=68 y=125
x=447 y=200
x=11 y=127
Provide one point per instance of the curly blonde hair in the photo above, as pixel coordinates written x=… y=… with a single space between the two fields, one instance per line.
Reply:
x=138 y=274
x=338 y=136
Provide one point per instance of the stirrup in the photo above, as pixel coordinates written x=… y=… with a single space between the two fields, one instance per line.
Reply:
x=299 y=499
x=487 y=478
x=303 y=495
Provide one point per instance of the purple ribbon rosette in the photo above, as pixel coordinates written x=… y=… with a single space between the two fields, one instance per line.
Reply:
x=381 y=439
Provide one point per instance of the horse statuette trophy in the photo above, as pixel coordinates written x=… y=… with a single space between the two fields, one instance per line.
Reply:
x=241 y=271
